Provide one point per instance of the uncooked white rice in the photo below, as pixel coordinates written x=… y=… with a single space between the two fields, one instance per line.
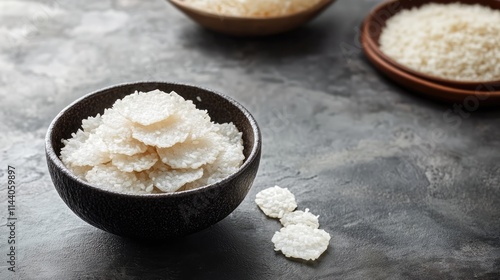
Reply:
x=252 y=8
x=152 y=142
x=454 y=41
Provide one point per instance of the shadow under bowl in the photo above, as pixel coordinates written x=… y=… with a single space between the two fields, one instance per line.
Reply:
x=153 y=216
x=250 y=26
x=376 y=21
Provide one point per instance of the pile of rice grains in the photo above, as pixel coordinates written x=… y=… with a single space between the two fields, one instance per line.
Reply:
x=128 y=149
x=252 y=8
x=453 y=41
x=300 y=236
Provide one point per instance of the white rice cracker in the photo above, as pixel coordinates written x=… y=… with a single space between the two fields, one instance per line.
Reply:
x=301 y=242
x=78 y=150
x=192 y=154
x=85 y=149
x=231 y=133
x=147 y=108
x=130 y=148
x=120 y=141
x=163 y=134
x=171 y=180
x=72 y=145
x=79 y=171
x=113 y=119
x=138 y=162
x=179 y=127
x=111 y=178
x=229 y=159
x=300 y=217
x=228 y=162
x=116 y=132
x=276 y=201
x=90 y=124
x=143 y=177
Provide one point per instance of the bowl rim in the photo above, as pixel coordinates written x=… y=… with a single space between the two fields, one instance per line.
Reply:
x=376 y=47
x=320 y=5
x=254 y=153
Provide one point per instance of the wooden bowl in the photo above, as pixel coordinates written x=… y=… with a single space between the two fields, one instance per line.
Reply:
x=250 y=26
x=471 y=98
x=376 y=21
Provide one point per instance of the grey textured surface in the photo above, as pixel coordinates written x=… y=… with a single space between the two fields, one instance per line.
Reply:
x=407 y=188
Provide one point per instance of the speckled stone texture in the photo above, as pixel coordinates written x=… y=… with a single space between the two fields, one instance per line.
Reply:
x=408 y=188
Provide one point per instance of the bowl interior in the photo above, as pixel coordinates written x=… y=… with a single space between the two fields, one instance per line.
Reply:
x=250 y=26
x=221 y=110
x=377 y=19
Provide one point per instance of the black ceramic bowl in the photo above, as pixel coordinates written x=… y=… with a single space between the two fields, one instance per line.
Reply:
x=153 y=216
